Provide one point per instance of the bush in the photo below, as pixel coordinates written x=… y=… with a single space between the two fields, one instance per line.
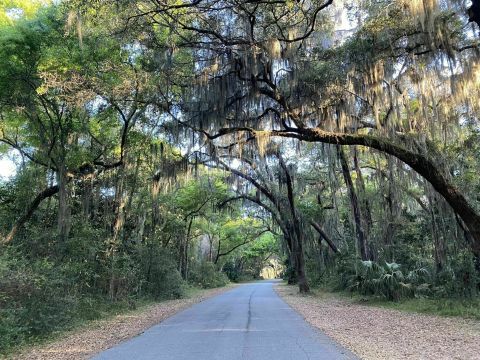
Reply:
x=207 y=276
x=159 y=275
x=34 y=300
x=373 y=279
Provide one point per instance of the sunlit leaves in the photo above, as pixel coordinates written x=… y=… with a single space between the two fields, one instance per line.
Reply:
x=14 y=10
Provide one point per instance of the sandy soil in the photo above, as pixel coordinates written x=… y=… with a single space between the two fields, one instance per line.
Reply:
x=377 y=333
x=102 y=334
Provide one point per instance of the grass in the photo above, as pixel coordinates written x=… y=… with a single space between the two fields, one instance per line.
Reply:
x=464 y=308
x=90 y=310
x=454 y=307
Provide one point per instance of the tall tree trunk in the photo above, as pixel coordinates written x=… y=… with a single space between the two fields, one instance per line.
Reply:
x=366 y=212
x=184 y=251
x=155 y=189
x=439 y=253
x=392 y=209
x=130 y=193
x=297 y=233
x=361 y=238
x=141 y=225
x=87 y=199
x=210 y=250
x=63 y=203
x=321 y=259
x=303 y=286
x=292 y=273
x=117 y=228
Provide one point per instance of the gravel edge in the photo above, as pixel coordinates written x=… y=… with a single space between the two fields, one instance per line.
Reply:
x=100 y=335
x=377 y=333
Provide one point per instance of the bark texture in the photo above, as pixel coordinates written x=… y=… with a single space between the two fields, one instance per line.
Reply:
x=357 y=216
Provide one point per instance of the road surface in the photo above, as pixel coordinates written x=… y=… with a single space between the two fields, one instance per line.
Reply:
x=249 y=322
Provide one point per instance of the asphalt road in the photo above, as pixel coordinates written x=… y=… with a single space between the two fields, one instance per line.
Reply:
x=248 y=322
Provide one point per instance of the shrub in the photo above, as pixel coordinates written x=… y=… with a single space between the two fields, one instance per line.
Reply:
x=207 y=276
x=385 y=280
x=34 y=300
x=159 y=275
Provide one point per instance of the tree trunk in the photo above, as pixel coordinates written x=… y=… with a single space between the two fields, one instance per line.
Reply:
x=391 y=211
x=184 y=251
x=367 y=214
x=63 y=204
x=303 y=286
x=141 y=225
x=87 y=197
x=292 y=273
x=439 y=253
x=361 y=238
x=297 y=233
x=120 y=202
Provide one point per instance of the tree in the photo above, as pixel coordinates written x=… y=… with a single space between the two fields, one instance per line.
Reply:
x=310 y=99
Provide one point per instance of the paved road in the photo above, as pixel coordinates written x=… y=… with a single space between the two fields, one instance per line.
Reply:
x=249 y=322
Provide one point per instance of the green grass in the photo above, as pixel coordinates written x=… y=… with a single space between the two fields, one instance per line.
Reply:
x=465 y=308
x=456 y=307
x=88 y=310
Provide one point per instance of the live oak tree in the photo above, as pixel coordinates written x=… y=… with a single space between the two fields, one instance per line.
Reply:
x=404 y=82
x=267 y=181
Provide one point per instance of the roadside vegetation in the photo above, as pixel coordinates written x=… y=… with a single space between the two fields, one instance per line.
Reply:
x=451 y=306
x=94 y=336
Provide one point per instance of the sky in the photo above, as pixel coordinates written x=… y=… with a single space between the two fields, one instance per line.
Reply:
x=7 y=167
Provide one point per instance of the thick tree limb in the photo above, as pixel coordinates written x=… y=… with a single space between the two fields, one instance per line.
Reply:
x=418 y=162
x=254 y=200
x=220 y=254
x=322 y=233
x=48 y=192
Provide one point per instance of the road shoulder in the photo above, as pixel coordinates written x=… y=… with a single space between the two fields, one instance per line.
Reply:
x=84 y=342
x=378 y=333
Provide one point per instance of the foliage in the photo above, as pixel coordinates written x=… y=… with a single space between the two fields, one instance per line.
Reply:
x=35 y=299
x=207 y=276
x=371 y=278
x=390 y=282
x=159 y=275
x=247 y=262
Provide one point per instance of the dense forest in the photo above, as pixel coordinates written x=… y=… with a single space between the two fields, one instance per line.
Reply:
x=159 y=145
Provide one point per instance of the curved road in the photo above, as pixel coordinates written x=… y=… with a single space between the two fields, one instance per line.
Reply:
x=249 y=322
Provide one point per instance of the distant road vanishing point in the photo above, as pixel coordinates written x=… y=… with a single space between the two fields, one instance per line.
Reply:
x=250 y=322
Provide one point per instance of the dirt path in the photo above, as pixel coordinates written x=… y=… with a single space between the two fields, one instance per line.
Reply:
x=377 y=333
x=102 y=334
